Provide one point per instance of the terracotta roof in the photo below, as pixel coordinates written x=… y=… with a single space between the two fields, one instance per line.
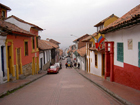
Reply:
x=4 y=6
x=80 y=37
x=13 y=28
x=89 y=37
x=102 y=22
x=34 y=26
x=54 y=41
x=60 y=52
x=52 y=44
x=82 y=51
x=43 y=45
x=130 y=18
x=2 y=33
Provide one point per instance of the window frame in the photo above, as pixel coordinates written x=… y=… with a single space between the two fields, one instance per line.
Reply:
x=26 y=41
x=120 y=57
x=96 y=60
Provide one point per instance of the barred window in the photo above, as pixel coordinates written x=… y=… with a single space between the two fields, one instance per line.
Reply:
x=120 y=52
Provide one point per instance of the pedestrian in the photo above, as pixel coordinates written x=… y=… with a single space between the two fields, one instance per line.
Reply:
x=78 y=65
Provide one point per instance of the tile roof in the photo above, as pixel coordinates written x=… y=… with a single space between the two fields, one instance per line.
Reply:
x=130 y=18
x=82 y=51
x=102 y=22
x=4 y=6
x=43 y=45
x=52 y=44
x=60 y=52
x=80 y=37
x=54 y=41
x=13 y=28
x=89 y=37
x=34 y=26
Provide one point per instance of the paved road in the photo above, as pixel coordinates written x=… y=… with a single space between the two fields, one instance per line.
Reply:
x=65 y=88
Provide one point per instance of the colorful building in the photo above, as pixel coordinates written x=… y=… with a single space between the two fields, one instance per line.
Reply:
x=122 y=49
x=95 y=50
x=44 y=54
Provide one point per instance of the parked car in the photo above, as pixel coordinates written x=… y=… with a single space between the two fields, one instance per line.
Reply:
x=53 y=69
x=58 y=65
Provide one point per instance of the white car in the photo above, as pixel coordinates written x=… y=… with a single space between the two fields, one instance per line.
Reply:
x=58 y=65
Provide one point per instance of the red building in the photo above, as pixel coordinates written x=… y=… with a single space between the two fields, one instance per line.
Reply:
x=22 y=54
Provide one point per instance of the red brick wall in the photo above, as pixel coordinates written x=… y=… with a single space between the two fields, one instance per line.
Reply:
x=128 y=75
x=82 y=44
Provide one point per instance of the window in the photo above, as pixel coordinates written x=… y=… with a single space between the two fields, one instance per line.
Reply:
x=3 y=14
x=120 y=52
x=96 y=60
x=33 y=43
x=139 y=54
x=26 y=48
x=36 y=42
x=90 y=45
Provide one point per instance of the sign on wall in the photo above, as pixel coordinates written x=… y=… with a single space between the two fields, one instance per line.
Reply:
x=130 y=44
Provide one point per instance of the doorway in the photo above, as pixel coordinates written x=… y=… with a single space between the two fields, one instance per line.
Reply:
x=2 y=59
x=18 y=60
x=103 y=64
x=40 y=63
x=9 y=48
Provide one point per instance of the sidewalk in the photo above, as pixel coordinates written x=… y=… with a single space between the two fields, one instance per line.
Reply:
x=123 y=93
x=13 y=85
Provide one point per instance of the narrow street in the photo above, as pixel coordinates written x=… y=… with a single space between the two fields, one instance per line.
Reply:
x=67 y=87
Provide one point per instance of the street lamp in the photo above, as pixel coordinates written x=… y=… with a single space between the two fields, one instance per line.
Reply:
x=73 y=35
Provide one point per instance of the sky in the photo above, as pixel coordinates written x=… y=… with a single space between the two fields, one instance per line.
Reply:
x=67 y=20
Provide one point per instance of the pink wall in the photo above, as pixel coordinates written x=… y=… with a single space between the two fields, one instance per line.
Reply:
x=128 y=75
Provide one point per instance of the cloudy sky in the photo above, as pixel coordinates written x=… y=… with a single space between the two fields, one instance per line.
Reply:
x=62 y=18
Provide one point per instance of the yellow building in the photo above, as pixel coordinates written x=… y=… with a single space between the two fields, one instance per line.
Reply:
x=95 y=56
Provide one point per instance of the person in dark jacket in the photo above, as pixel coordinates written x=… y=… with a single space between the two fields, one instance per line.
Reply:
x=78 y=65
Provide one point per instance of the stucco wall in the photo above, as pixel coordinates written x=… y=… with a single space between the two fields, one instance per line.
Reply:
x=130 y=56
x=127 y=72
x=93 y=69
x=2 y=43
x=19 y=24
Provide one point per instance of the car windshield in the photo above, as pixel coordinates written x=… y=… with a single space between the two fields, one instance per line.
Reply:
x=52 y=67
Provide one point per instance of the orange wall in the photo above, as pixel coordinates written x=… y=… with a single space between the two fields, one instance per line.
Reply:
x=18 y=41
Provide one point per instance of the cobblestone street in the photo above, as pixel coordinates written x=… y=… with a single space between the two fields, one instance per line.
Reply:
x=67 y=87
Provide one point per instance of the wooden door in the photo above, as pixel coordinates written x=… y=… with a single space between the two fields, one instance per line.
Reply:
x=9 y=59
x=18 y=60
x=103 y=64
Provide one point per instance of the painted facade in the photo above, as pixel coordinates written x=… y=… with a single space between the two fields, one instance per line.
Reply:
x=122 y=49
x=3 y=71
x=96 y=58
x=126 y=72
x=3 y=35
x=21 y=62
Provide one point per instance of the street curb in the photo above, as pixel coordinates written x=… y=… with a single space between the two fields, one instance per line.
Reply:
x=125 y=102
x=18 y=87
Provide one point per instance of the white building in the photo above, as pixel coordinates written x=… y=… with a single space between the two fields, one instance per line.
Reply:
x=44 y=54
x=123 y=49
x=3 y=71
